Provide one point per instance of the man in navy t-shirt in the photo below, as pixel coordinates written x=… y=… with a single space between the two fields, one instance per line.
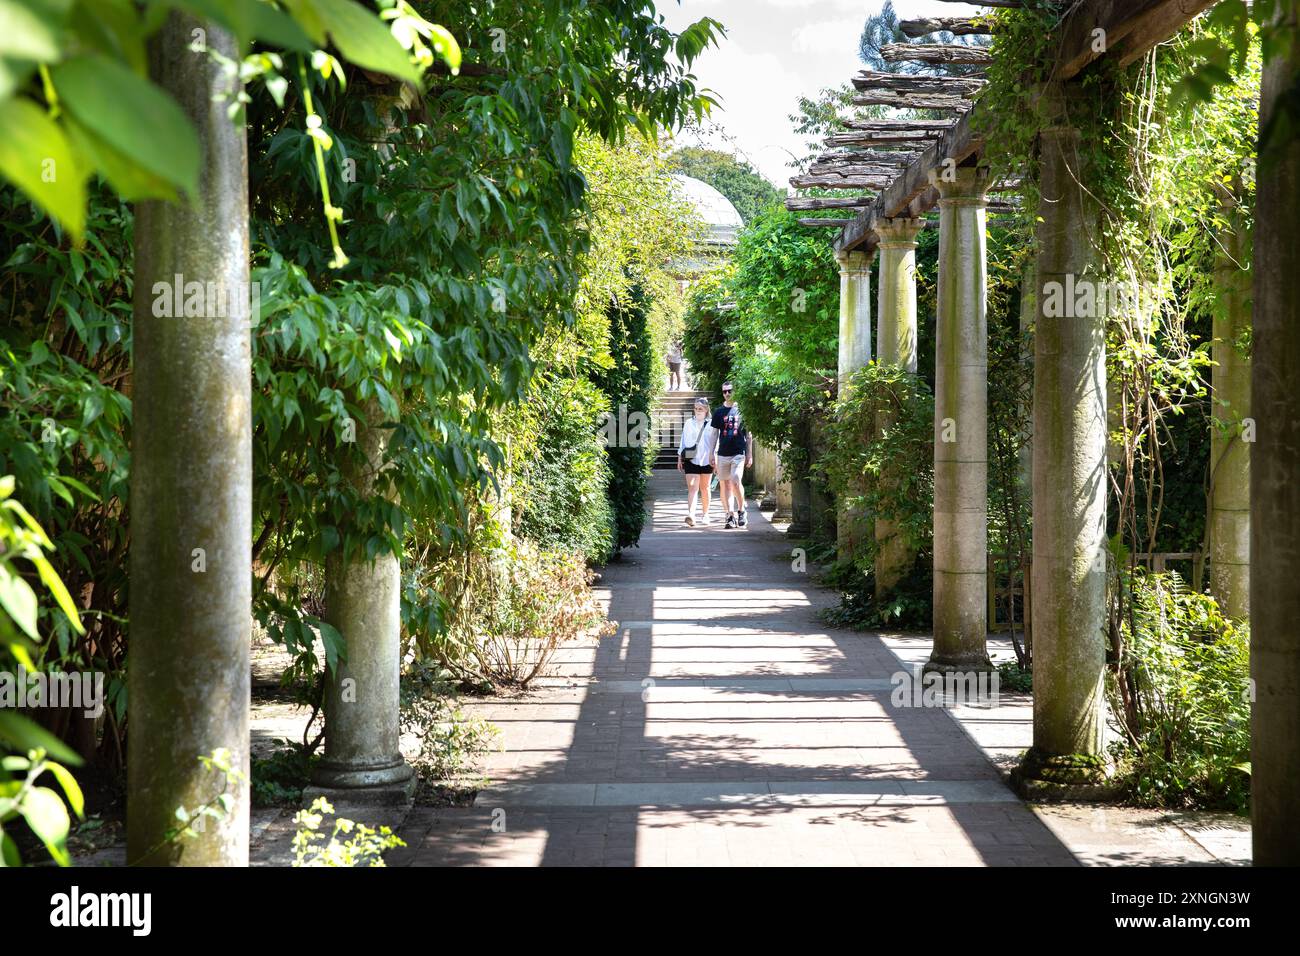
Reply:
x=731 y=455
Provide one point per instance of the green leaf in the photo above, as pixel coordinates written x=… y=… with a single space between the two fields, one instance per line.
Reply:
x=133 y=116
x=48 y=817
x=71 y=789
x=18 y=599
x=253 y=20
x=131 y=181
x=26 y=35
x=60 y=592
x=335 y=646
x=35 y=156
x=20 y=733
x=363 y=39
x=9 y=851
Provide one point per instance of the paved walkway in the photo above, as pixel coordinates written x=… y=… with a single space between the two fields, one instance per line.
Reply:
x=724 y=724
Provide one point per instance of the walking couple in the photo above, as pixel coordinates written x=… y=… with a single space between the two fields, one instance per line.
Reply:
x=716 y=443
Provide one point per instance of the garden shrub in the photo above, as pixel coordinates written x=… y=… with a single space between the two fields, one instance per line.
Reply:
x=879 y=455
x=507 y=605
x=450 y=739
x=561 y=471
x=1180 y=698
x=628 y=385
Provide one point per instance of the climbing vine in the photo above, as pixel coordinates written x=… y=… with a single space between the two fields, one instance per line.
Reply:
x=1167 y=175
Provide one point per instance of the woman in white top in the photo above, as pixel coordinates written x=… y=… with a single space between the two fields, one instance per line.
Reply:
x=693 y=451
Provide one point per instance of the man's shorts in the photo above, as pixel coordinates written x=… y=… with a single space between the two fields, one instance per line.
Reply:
x=731 y=467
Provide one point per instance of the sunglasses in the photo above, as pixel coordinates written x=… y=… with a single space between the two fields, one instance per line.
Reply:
x=726 y=391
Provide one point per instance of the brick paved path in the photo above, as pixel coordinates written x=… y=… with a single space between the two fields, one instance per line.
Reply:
x=724 y=724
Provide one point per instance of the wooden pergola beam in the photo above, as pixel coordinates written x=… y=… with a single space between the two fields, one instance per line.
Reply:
x=833 y=181
x=869 y=156
x=911 y=101
x=1132 y=28
x=868 y=140
x=814 y=203
x=852 y=169
x=889 y=125
x=957 y=26
x=965 y=86
x=910 y=195
x=934 y=53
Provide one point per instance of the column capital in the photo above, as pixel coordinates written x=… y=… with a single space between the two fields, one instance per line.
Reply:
x=855 y=262
x=961 y=186
x=899 y=233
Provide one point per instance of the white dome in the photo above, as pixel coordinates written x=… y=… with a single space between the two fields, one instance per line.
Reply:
x=713 y=207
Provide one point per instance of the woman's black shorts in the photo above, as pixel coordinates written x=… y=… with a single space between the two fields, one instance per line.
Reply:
x=693 y=469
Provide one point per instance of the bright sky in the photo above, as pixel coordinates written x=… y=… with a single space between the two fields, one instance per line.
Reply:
x=775 y=51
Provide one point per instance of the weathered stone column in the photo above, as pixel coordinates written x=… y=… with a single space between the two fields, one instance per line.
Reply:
x=961 y=427
x=1275 y=482
x=1028 y=312
x=855 y=312
x=363 y=762
x=1229 y=525
x=784 y=495
x=1070 y=486
x=191 y=484
x=801 y=505
x=895 y=345
x=855 y=352
x=822 y=506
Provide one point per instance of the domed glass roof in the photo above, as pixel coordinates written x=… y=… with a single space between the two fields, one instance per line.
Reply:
x=713 y=207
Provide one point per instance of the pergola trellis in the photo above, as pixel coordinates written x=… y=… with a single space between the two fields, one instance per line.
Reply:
x=902 y=169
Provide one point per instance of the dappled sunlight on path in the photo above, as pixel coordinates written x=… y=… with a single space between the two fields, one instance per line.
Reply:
x=723 y=723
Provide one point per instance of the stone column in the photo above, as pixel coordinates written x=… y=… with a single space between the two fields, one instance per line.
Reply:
x=855 y=311
x=1229 y=526
x=801 y=504
x=961 y=426
x=363 y=763
x=784 y=494
x=855 y=352
x=191 y=484
x=1028 y=311
x=895 y=345
x=1070 y=486
x=822 y=507
x=1275 y=482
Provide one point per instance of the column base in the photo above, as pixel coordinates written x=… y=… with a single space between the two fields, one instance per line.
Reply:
x=959 y=664
x=1068 y=778
x=388 y=784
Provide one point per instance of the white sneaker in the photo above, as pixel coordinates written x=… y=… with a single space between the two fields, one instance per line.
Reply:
x=705 y=519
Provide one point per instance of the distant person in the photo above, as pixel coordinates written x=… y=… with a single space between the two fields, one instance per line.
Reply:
x=732 y=454
x=674 y=360
x=694 y=453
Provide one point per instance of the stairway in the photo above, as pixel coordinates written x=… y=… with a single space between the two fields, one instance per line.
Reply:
x=666 y=418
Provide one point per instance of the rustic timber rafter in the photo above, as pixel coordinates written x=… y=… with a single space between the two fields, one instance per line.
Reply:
x=912 y=101
x=965 y=86
x=957 y=26
x=863 y=156
x=934 y=53
x=1132 y=27
x=814 y=203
